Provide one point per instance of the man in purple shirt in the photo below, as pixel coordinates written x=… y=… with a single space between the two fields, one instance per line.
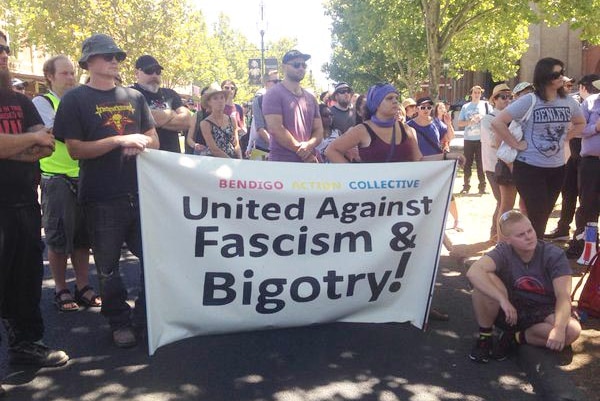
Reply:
x=292 y=115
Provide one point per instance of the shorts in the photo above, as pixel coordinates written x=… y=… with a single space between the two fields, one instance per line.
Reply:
x=502 y=174
x=528 y=314
x=62 y=216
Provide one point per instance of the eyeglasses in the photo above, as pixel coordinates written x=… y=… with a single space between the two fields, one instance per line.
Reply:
x=19 y=87
x=4 y=49
x=343 y=91
x=557 y=74
x=152 y=70
x=504 y=97
x=425 y=107
x=110 y=56
x=229 y=88
x=298 y=64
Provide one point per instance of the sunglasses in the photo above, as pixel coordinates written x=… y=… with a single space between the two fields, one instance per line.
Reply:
x=4 y=49
x=298 y=64
x=110 y=56
x=152 y=70
x=20 y=88
x=276 y=81
x=557 y=74
x=229 y=88
x=504 y=97
x=425 y=107
x=344 y=91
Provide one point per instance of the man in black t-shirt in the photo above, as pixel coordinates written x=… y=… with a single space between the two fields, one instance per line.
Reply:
x=342 y=111
x=23 y=141
x=170 y=114
x=105 y=126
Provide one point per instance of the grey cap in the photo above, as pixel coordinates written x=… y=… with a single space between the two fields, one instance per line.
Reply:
x=98 y=44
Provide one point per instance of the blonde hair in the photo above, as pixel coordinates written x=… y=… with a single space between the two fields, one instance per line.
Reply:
x=509 y=218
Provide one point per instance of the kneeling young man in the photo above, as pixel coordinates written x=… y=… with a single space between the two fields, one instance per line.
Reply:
x=523 y=287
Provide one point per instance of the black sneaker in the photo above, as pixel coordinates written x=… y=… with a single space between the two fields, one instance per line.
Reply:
x=506 y=346
x=482 y=350
x=558 y=234
x=38 y=354
x=575 y=248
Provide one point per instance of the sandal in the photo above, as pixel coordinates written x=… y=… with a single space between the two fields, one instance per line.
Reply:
x=67 y=304
x=93 y=301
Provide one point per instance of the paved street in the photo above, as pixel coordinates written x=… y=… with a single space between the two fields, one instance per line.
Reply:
x=329 y=362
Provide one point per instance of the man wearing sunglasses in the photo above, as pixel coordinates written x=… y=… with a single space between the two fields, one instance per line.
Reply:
x=23 y=141
x=104 y=127
x=166 y=106
x=292 y=114
x=259 y=136
x=342 y=113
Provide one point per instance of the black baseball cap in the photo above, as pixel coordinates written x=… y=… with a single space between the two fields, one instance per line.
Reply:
x=147 y=61
x=292 y=54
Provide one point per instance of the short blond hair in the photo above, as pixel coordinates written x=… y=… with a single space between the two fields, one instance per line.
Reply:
x=509 y=218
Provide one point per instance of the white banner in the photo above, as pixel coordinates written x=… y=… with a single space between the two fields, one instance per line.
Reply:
x=237 y=245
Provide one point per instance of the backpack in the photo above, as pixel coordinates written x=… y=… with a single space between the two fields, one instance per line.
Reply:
x=589 y=300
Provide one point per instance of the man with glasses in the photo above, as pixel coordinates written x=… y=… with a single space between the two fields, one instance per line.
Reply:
x=23 y=141
x=104 y=127
x=169 y=113
x=342 y=112
x=292 y=114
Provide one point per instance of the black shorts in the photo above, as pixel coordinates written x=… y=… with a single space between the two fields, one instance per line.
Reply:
x=528 y=314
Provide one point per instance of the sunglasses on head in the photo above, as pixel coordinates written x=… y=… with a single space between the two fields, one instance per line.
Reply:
x=504 y=97
x=4 y=49
x=425 y=107
x=152 y=70
x=298 y=64
x=110 y=56
x=557 y=74
x=229 y=88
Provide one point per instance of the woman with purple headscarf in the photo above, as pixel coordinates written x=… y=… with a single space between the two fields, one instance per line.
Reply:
x=381 y=138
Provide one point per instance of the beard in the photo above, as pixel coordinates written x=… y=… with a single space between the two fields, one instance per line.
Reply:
x=343 y=102
x=152 y=86
x=5 y=81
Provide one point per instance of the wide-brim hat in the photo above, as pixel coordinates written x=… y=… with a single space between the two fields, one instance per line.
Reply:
x=500 y=88
x=213 y=89
x=98 y=44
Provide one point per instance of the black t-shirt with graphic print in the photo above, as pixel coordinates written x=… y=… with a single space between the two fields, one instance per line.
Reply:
x=89 y=114
x=164 y=99
x=18 y=180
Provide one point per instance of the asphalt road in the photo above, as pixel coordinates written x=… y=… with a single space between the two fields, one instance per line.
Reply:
x=383 y=362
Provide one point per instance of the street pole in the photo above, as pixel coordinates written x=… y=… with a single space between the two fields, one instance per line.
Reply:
x=262 y=39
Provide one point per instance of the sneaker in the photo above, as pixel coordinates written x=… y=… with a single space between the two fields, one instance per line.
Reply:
x=124 y=337
x=506 y=346
x=38 y=354
x=465 y=189
x=482 y=350
x=575 y=248
x=558 y=234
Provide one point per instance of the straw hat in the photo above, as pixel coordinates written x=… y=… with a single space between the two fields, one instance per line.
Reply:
x=213 y=89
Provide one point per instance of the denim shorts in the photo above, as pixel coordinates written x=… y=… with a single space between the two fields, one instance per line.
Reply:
x=62 y=215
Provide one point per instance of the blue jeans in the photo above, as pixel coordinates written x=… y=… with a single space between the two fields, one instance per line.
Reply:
x=110 y=224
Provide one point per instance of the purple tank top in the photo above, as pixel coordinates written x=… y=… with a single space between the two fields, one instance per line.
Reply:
x=378 y=151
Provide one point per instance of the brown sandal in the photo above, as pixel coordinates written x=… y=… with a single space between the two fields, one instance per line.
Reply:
x=65 y=304
x=93 y=301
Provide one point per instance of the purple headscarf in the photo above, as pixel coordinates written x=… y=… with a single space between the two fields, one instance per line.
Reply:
x=376 y=94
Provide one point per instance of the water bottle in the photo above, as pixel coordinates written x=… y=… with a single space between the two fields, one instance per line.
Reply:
x=589 y=249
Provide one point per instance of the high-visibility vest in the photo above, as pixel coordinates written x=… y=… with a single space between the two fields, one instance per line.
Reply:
x=59 y=162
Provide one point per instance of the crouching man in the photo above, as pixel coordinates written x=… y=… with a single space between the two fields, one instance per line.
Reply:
x=522 y=287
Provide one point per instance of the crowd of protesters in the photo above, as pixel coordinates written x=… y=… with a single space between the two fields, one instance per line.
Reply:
x=81 y=143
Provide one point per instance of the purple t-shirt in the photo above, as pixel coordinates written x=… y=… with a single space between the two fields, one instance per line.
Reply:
x=298 y=113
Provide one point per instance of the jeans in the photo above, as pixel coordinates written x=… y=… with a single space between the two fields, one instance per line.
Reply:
x=21 y=271
x=539 y=188
x=472 y=151
x=110 y=224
